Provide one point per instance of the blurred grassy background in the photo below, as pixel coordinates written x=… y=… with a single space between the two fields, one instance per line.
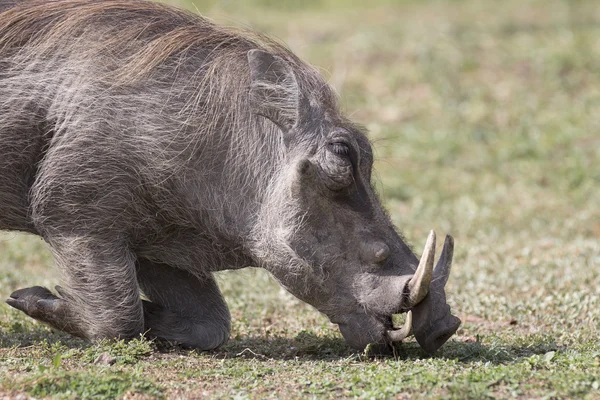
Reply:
x=485 y=121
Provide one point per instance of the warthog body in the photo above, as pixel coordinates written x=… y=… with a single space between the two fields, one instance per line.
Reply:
x=150 y=148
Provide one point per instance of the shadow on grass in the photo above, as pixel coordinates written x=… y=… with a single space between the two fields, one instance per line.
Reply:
x=308 y=346
x=304 y=345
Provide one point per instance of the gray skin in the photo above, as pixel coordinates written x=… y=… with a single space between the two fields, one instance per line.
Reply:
x=150 y=148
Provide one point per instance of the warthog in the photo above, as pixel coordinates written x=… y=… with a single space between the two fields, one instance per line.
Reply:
x=150 y=148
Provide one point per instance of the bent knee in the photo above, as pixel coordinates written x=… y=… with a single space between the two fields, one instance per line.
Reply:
x=207 y=336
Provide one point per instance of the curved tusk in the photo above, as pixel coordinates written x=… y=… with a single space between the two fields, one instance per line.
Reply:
x=398 y=335
x=418 y=287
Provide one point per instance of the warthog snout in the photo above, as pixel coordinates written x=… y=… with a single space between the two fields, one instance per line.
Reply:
x=385 y=292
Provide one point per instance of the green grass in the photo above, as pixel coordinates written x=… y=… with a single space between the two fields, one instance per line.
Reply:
x=485 y=123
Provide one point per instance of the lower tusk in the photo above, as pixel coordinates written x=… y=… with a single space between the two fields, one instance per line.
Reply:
x=398 y=335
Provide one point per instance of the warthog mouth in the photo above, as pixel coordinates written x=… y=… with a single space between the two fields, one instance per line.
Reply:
x=361 y=329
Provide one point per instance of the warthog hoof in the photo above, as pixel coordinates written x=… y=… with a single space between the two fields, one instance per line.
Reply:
x=37 y=302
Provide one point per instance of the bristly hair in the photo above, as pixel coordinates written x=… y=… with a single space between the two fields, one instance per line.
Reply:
x=137 y=42
x=167 y=76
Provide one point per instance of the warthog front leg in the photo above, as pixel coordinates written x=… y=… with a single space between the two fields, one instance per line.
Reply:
x=101 y=296
x=183 y=308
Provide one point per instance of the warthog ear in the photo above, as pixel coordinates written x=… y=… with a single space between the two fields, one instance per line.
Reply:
x=274 y=91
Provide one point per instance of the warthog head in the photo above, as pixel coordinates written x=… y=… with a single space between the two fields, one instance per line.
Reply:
x=330 y=242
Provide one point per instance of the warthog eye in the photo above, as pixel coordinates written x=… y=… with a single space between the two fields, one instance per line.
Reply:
x=337 y=163
x=339 y=148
